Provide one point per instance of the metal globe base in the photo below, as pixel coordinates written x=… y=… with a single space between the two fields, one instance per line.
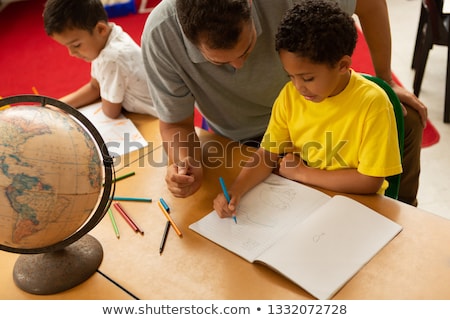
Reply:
x=57 y=271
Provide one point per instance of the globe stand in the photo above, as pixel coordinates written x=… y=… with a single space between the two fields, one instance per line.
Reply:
x=53 y=272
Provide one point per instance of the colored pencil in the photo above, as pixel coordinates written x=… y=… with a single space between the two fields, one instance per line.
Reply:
x=164 y=237
x=127 y=218
x=124 y=176
x=118 y=198
x=167 y=227
x=164 y=204
x=227 y=196
x=5 y=106
x=113 y=221
x=169 y=218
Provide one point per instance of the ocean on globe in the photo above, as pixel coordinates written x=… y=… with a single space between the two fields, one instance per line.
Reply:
x=50 y=177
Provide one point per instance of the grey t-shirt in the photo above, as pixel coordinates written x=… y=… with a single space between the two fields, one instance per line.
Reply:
x=236 y=103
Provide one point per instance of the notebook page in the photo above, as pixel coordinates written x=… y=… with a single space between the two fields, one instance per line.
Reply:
x=330 y=246
x=264 y=214
x=120 y=135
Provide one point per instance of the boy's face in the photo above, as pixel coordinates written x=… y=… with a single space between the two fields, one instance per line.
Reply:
x=315 y=82
x=81 y=43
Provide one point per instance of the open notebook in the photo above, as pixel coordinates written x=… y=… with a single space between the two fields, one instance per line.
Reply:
x=120 y=135
x=317 y=241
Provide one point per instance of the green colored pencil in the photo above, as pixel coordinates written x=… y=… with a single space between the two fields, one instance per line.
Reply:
x=114 y=224
x=124 y=176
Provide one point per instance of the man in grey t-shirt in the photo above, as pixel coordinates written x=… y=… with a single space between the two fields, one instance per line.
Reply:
x=219 y=55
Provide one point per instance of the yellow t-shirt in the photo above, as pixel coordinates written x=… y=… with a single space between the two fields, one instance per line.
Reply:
x=354 y=129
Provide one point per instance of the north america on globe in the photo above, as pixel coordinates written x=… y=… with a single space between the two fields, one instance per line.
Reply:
x=50 y=176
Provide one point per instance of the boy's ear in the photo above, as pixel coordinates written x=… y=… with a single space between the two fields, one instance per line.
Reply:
x=102 y=28
x=345 y=63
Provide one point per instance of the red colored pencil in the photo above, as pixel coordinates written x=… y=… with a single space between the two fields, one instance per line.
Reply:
x=127 y=218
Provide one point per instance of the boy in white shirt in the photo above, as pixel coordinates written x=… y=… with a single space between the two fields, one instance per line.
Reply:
x=117 y=74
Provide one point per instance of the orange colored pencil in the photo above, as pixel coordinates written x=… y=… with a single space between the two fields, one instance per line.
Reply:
x=5 y=106
x=170 y=219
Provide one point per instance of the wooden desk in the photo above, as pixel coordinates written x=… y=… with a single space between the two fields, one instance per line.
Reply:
x=415 y=265
x=96 y=287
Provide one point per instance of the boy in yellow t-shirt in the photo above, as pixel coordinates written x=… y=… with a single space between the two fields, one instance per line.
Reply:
x=335 y=129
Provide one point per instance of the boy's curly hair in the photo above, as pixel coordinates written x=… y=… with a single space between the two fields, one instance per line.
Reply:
x=318 y=30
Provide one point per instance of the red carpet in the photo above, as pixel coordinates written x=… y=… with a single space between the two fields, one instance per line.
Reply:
x=30 y=58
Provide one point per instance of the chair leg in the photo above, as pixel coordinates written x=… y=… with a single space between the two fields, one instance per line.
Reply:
x=419 y=36
x=447 y=89
x=422 y=57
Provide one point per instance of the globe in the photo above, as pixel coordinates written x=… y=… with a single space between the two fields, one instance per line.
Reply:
x=55 y=186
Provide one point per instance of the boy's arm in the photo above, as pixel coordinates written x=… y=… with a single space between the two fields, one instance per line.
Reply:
x=87 y=94
x=343 y=180
x=110 y=109
x=90 y=93
x=255 y=171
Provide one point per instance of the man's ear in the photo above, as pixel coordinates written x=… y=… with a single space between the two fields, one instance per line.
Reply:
x=345 y=63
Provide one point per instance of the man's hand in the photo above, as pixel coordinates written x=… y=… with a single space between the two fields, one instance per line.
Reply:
x=184 y=178
x=408 y=98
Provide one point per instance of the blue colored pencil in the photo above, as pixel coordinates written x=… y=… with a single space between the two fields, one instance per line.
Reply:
x=164 y=204
x=132 y=199
x=227 y=196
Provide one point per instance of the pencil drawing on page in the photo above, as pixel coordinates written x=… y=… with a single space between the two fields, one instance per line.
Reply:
x=274 y=199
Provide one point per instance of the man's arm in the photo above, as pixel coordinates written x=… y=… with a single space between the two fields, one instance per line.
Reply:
x=374 y=18
x=185 y=172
